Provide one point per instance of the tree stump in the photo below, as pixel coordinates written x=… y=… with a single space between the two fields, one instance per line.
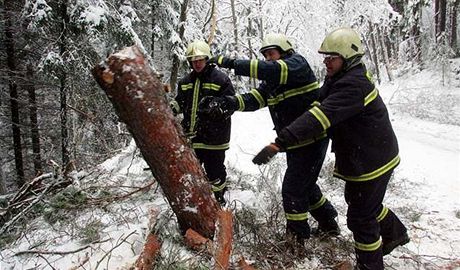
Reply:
x=140 y=102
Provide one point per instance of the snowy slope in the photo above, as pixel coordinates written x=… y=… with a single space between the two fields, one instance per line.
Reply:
x=424 y=193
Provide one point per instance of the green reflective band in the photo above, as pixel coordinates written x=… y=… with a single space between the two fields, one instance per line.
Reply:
x=211 y=86
x=320 y=203
x=186 y=87
x=216 y=188
x=253 y=66
x=219 y=60
x=382 y=214
x=259 y=97
x=322 y=118
x=224 y=146
x=372 y=175
x=293 y=92
x=369 y=76
x=297 y=217
x=284 y=71
x=372 y=95
x=368 y=247
x=241 y=105
x=196 y=92
x=307 y=142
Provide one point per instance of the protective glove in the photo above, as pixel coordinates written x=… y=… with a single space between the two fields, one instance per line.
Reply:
x=266 y=154
x=174 y=107
x=217 y=108
x=222 y=61
x=209 y=108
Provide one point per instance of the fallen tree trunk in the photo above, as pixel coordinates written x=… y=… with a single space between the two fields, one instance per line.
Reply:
x=223 y=243
x=140 y=102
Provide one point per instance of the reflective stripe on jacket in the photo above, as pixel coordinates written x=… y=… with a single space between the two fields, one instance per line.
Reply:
x=357 y=121
x=289 y=88
x=204 y=132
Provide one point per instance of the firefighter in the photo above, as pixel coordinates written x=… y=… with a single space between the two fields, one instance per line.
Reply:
x=365 y=146
x=288 y=88
x=209 y=135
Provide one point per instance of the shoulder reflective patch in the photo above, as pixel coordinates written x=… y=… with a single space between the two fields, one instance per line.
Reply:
x=372 y=95
x=283 y=71
x=219 y=60
x=369 y=76
x=322 y=118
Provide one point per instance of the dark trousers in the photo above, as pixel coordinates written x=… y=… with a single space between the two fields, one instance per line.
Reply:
x=369 y=220
x=300 y=190
x=213 y=163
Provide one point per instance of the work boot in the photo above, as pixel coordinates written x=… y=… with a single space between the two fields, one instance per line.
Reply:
x=329 y=228
x=388 y=246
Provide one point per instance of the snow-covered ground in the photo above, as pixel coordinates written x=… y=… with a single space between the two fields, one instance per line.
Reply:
x=424 y=193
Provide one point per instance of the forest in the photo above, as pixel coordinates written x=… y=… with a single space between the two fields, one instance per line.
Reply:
x=55 y=119
x=52 y=111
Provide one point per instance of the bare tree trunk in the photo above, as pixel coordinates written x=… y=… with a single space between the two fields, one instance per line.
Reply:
x=384 y=53
x=249 y=31
x=235 y=25
x=235 y=37
x=453 y=36
x=141 y=104
x=176 y=60
x=415 y=33
x=2 y=182
x=436 y=19
x=152 y=35
x=35 y=135
x=14 y=96
x=213 y=19
x=442 y=16
x=374 y=51
x=261 y=22
x=63 y=87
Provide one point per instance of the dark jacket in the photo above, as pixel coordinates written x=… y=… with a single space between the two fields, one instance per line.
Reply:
x=356 y=120
x=289 y=88
x=206 y=133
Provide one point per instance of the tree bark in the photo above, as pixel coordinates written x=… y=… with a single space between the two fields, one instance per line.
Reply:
x=223 y=243
x=13 y=87
x=64 y=22
x=33 y=116
x=436 y=18
x=453 y=36
x=374 y=54
x=384 y=53
x=442 y=16
x=2 y=182
x=176 y=60
x=140 y=102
